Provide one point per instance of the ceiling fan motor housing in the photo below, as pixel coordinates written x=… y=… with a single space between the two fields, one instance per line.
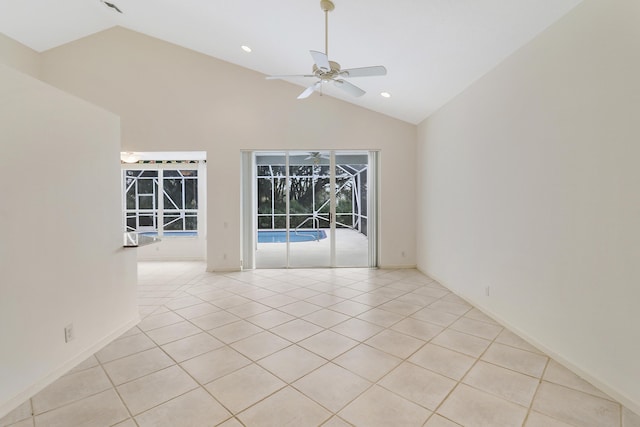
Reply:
x=327 y=75
x=327 y=71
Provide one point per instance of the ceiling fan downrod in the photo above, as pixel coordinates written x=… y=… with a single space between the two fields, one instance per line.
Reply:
x=329 y=71
x=327 y=6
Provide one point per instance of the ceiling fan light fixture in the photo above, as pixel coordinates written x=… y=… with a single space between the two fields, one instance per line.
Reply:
x=245 y=48
x=130 y=157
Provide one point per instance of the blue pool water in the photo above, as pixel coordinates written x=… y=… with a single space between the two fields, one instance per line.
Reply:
x=280 y=236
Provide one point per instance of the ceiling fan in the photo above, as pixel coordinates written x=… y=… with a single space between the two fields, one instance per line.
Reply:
x=111 y=5
x=326 y=71
x=317 y=157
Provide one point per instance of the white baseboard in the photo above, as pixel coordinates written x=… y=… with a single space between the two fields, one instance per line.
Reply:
x=41 y=384
x=604 y=387
x=397 y=266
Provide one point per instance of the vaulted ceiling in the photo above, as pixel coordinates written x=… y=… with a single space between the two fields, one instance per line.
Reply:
x=432 y=49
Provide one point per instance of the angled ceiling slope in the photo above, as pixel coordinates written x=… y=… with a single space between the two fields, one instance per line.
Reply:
x=433 y=49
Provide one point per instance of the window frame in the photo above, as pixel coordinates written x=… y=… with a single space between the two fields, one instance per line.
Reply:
x=159 y=211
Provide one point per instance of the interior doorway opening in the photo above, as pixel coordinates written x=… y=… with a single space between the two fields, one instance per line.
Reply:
x=164 y=195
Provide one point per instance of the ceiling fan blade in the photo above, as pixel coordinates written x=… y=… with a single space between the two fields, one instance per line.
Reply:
x=349 y=88
x=289 y=76
x=321 y=60
x=377 y=70
x=308 y=91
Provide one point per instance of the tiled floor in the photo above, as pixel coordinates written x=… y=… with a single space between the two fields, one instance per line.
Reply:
x=314 y=347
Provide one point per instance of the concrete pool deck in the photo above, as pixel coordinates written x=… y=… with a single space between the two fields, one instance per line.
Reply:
x=351 y=251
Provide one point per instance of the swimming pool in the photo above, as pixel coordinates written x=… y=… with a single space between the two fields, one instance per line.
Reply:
x=171 y=233
x=280 y=236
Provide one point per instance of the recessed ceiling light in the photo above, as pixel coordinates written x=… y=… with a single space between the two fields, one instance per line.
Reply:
x=246 y=48
x=385 y=94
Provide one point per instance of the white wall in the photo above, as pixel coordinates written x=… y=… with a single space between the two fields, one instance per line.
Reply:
x=171 y=98
x=174 y=249
x=19 y=56
x=61 y=255
x=529 y=183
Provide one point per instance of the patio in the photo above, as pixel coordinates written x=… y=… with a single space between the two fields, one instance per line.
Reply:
x=351 y=251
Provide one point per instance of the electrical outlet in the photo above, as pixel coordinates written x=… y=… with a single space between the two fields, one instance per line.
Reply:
x=487 y=291
x=68 y=333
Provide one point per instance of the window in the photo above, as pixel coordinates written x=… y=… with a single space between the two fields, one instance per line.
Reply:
x=309 y=191
x=161 y=198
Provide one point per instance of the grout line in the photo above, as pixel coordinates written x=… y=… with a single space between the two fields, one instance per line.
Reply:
x=222 y=284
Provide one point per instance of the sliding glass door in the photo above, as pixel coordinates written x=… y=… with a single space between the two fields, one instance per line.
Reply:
x=351 y=188
x=309 y=209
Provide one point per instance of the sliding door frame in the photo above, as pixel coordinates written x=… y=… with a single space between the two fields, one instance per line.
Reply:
x=249 y=208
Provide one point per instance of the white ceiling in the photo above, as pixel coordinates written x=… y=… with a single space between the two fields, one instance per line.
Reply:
x=432 y=49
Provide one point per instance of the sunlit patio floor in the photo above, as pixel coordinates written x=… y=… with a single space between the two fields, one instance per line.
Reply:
x=351 y=251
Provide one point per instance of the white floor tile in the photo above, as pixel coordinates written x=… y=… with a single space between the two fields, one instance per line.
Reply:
x=215 y=364
x=379 y=407
x=328 y=344
x=137 y=365
x=292 y=363
x=575 y=407
x=474 y=408
x=443 y=361
x=100 y=410
x=395 y=343
x=124 y=347
x=522 y=361
x=332 y=386
x=192 y=346
x=418 y=385
x=311 y=347
x=368 y=362
x=287 y=407
x=510 y=385
x=244 y=387
x=146 y=392
x=22 y=412
x=195 y=408
x=71 y=388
